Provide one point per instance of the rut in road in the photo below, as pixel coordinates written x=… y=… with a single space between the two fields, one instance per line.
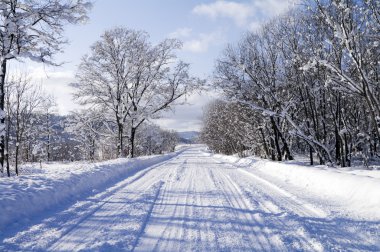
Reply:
x=194 y=202
x=206 y=210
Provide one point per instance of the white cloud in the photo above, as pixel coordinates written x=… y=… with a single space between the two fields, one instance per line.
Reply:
x=271 y=7
x=181 y=33
x=54 y=81
x=239 y=12
x=203 y=42
x=248 y=14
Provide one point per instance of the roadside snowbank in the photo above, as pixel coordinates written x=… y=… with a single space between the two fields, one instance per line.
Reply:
x=355 y=190
x=56 y=184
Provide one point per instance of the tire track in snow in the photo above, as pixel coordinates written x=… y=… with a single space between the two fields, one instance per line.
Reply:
x=297 y=238
x=187 y=221
x=136 y=181
x=211 y=236
x=252 y=230
x=55 y=229
x=195 y=203
x=161 y=208
x=161 y=204
x=145 y=222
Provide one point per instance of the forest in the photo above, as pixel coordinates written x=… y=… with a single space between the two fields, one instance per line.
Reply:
x=306 y=83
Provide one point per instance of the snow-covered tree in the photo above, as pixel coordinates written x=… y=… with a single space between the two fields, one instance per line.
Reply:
x=132 y=79
x=229 y=128
x=87 y=129
x=353 y=27
x=33 y=29
x=151 y=139
x=48 y=110
x=25 y=99
x=311 y=76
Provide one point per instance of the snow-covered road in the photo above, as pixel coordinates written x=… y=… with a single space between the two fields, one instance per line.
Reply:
x=194 y=202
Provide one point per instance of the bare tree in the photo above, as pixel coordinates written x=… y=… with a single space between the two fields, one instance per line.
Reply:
x=311 y=76
x=88 y=129
x=133 y=79
x=33 y=29
x=48 y=109
x=25 y=99
x=353 y=31
x=151 y=139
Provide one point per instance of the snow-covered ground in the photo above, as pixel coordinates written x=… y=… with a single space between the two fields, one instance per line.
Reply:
x=43 y=187
x=351 y=192
x=192 y=201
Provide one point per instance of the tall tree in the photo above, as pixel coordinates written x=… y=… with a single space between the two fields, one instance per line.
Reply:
x=312 y=78
x=33 y=29
x=133 y=79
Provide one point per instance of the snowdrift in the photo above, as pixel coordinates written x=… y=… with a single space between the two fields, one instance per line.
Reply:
x=355 y=190
x=43 y=189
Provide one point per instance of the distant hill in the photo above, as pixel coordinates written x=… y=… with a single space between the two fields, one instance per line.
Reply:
x=188 y=136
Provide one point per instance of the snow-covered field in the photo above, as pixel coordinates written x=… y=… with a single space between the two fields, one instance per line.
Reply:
x=190 y=201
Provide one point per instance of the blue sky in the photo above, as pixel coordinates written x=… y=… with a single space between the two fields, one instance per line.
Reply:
x=205 y=27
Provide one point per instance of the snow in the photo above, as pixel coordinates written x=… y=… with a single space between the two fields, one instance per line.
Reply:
x=197 y=201
x=354 y=191
x=39 y=189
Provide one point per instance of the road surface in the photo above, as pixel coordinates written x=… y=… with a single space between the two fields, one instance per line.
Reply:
x=193 y=202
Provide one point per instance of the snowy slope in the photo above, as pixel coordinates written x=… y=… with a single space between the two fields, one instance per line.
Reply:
x=354 y=191
x=40 y=189
x=197 y=201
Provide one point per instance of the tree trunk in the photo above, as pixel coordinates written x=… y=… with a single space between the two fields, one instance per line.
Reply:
x=92 y=151
x=16 y=164
x=8 y=169
x=350 y=155
x=3 y=71
x=288 y=156
x=311 y=155
x=48 y=138
x=337 y=146
x=48 y=149
x=307 y=123
x=265 y=143
x=120 y=140
x=276 y=138
x=346 y=153
x=343 y=153
x=132 y=143
x=7 y=135
x=273 y=155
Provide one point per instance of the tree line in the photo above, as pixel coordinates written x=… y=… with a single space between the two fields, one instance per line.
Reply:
x=35 y=132
x=306 y=82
